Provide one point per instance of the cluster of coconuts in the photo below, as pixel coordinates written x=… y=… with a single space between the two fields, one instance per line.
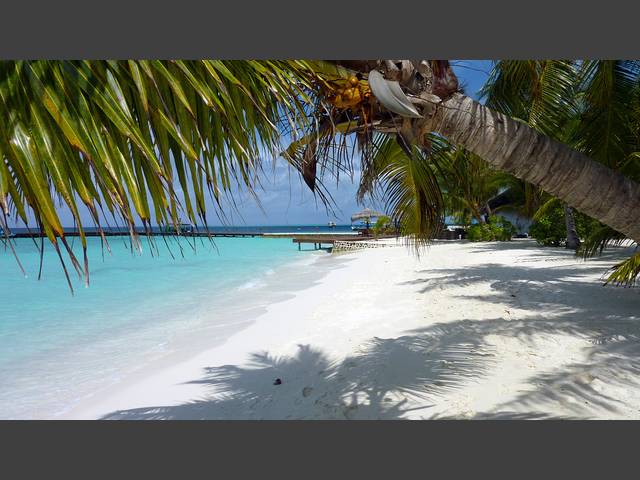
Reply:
x=352 y=94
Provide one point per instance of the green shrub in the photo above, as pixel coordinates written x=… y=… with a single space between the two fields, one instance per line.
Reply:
x=477 y=233
x=550 y=229
x=383 y=226
x=498 y=228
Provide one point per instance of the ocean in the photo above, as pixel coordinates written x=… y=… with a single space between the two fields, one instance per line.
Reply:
x=57 y=350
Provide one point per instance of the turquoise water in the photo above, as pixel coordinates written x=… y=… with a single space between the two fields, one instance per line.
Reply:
x=57 y=349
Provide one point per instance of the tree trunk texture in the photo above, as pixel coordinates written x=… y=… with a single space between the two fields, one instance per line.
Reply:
x=488 y=213
x=514 y=147
x=573 y=241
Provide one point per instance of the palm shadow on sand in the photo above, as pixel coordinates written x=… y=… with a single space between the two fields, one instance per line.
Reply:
x=378 y=381
x=374 y=384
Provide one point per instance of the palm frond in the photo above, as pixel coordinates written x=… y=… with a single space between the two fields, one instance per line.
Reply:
x=405 y=178
x=539 y=92
x=625 y=273
x=608 y=98
x=599 y=239
x=547 y=207
x=506 y=89
x=139 y=140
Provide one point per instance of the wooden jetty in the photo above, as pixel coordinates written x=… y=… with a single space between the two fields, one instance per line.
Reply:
x=114 y=233
x=319 y=240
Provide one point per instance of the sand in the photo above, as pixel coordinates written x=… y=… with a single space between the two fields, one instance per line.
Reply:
x=490 y=330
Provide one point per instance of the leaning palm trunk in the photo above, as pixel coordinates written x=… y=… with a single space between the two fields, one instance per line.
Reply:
x=514 y=147
x=573 y=241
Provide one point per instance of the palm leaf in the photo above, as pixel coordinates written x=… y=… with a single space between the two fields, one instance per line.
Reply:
x=626 y=273
x=405 y=178
x=608 y=99
x=540 y=92
x=123 y=136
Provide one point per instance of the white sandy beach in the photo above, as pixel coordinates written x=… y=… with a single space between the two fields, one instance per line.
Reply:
x=487 y=330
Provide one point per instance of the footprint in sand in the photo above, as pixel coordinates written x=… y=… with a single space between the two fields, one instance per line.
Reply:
x=306 y=391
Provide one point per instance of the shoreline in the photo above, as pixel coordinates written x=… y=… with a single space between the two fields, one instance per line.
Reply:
x=267 y=324
x=187 y=310
x=496 y=330
x=278 y=283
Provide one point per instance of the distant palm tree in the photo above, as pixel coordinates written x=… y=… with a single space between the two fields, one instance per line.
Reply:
x=469 y=184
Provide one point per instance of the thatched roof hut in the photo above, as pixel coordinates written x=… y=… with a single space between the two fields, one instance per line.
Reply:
x=367 y=214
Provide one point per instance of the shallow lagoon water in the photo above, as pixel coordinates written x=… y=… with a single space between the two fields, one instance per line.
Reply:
x=57 y=349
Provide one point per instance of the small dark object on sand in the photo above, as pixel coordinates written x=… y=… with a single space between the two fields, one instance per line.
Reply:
x=277 y=382
x=513 y=295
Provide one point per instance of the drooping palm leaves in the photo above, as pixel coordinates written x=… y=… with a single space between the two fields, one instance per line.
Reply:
x=608 y=101
x=342 y=123
x=405 y=179
x=138 y=139
x=626 y=273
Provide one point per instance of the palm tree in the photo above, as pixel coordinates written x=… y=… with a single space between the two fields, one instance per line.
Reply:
x=511 y=146
x=136 y=138
x=609 y=132
x=543 y=94
x=590 y=105
x=425 y=98
x=419 y=97
x=469 y=184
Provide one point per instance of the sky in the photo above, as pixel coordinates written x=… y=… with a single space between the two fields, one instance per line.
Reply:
x=286 y=200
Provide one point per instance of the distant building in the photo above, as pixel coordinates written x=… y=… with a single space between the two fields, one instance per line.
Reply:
x=501 y=205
